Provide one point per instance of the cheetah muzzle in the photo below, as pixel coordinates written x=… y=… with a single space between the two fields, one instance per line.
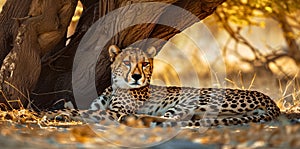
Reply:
x=132 y=94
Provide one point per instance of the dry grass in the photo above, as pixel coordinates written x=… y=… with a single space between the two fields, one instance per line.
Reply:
x=20 y=124
x=24 y=128
x=241 y=80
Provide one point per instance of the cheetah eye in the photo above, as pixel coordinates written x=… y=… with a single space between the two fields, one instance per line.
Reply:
x=144 y=64
x=127 y=63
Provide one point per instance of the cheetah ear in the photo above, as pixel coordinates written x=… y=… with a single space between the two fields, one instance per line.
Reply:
x=151 y=51
x=113 y=51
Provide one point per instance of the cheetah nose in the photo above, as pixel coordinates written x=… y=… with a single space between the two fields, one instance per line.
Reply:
x=136 y=76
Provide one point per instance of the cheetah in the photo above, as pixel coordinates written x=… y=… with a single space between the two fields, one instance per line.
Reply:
x=132 y=94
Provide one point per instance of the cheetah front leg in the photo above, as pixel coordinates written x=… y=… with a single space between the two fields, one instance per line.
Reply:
x=179 y=112
x=102 y=102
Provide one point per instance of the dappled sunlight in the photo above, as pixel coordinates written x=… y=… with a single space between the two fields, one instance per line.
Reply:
x=187 y=60
x=75 y=19
x=252 y=49
x=191 y=64
x=1 y=4
x=288 y=67
x=164 y=74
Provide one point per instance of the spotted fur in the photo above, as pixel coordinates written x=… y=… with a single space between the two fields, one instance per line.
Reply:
x=132 y=94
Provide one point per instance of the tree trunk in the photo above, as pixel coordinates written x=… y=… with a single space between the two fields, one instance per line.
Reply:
x=43 y=47
x=41 y=26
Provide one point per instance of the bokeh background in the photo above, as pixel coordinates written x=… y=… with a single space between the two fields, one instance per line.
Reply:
x=258 y=49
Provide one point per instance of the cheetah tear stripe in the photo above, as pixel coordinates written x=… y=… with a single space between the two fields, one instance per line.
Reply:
x=131 y=94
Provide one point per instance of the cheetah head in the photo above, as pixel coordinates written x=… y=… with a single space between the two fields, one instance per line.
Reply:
x=131 y=67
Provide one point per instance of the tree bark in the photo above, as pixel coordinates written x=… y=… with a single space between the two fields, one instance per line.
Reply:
x=43 y=27
x=55 y=77
x=12 y=10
